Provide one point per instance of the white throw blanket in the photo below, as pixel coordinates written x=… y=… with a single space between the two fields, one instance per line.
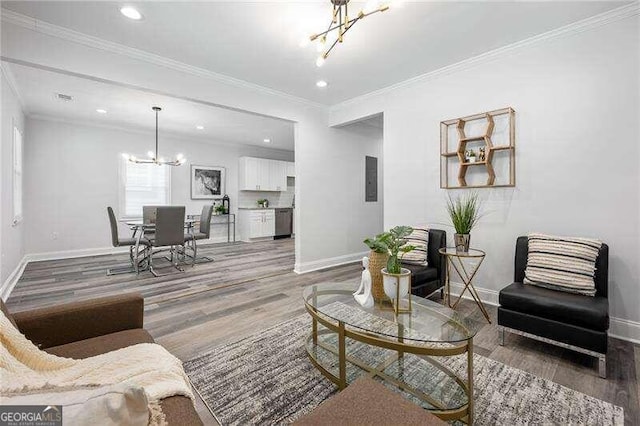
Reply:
x=25 y=369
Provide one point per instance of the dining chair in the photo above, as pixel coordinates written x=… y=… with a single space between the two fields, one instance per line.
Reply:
x=116 y=241
x=203 y=232
x=169 y=234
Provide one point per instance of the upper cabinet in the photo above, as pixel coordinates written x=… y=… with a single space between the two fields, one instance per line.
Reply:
x=261 y=174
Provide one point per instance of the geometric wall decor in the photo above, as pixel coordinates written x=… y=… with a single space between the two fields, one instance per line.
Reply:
x=478 y=151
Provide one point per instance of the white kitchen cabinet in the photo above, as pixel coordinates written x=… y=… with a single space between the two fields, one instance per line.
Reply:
x=261 y=174
x=291 y=169
x=278 y=175
x=257 y=223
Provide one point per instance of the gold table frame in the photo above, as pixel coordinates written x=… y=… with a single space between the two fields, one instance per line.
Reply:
x=463 y=413
x=466 y=276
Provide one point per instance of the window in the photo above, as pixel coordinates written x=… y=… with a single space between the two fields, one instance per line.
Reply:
x=143 y=185
x=17 y=175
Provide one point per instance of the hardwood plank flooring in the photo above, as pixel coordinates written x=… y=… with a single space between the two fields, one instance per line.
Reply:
x=251 y=287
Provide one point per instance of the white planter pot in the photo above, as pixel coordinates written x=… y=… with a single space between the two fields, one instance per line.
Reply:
x=390 y=281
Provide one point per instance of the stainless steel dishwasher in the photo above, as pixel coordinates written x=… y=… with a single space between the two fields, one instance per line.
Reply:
x=284 y=223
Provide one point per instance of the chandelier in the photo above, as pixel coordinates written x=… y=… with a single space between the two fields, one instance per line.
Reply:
x=153 y=157
x=341 y=22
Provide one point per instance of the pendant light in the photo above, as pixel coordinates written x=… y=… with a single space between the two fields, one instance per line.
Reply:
x=154 y=158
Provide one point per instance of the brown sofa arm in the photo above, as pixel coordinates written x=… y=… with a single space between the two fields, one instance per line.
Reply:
x=71 y=322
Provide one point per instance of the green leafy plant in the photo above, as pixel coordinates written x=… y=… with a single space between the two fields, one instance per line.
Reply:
x=464 y=212
x=394 y=243
x=262 y=201
x=221 y=209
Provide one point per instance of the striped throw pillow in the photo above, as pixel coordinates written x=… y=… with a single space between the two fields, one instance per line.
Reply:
x=562 y=263
x=420 y=239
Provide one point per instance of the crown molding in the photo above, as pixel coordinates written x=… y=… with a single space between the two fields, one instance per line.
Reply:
x=53 y=30
x=13 y=86
x=613 y=15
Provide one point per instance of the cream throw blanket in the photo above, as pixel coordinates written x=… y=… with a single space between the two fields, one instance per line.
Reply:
x=24 y=368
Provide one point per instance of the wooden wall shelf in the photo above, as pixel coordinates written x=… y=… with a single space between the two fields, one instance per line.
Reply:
x=450 y=158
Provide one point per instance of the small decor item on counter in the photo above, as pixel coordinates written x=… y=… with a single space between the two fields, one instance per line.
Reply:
x=263 y=202
x=396 y=281
x=482 y=154
x=470 y=156
x=363 y=294
x=220 y=209
x=464 y=213
x=226 y=202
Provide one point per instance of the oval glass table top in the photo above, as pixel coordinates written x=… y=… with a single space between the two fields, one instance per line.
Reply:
x=428 y=321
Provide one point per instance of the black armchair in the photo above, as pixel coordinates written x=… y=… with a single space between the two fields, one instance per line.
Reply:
x=425 y=280
x=572 y=321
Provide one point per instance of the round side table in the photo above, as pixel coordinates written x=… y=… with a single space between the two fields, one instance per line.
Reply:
x=455 y=260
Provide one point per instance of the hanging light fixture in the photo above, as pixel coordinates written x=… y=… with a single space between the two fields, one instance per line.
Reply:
x=341 y=23
x=154 y=158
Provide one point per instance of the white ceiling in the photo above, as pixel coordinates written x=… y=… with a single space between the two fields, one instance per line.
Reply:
x=132 y=108
x=259 y=41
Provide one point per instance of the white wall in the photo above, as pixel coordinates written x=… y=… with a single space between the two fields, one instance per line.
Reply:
x=71 y=176
x=11 y=235
x=576 y=99
x=322 y=170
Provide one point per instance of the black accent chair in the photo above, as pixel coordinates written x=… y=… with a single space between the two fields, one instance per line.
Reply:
x=425 y=280
x=572 y=321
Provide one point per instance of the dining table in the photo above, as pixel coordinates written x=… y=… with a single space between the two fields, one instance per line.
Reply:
x=139 y=227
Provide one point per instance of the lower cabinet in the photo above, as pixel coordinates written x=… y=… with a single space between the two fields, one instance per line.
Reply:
x=257 y=223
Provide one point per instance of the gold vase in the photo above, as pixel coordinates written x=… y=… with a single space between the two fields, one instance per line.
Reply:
x=377 y=261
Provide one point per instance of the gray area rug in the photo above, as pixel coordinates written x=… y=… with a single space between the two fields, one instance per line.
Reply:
x=267 y=378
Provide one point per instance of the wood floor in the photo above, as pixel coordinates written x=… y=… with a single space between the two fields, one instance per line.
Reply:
x=250 y=287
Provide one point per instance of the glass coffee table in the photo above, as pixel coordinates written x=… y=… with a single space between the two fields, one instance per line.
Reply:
x=426 y=354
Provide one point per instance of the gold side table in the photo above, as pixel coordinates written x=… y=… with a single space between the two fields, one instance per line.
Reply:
x=455 y=260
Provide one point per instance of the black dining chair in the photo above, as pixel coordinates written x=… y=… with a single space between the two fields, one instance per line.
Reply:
x=168 y=235
x=116 y=241
x=203 y=232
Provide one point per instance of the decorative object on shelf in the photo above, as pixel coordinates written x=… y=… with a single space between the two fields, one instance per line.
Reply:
x=496 y=140
x=464 y=212
x=341 y=22
x=363 y=294
x=154 y=158
x=396 y=281
x=207 y=182
x=470 y=156
x=263 y=202
x=482 y=154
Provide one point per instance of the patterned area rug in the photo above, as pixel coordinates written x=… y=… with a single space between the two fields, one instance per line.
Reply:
x=268 y=379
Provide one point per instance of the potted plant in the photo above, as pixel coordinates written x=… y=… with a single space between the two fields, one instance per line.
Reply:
x=378 y=258
x=395 y=279
x=471 y=156
x=464 y=213
x=220 y=209
x=263 y=202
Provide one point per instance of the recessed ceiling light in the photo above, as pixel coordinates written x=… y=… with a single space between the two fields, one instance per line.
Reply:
x=266 y=140
x=200 y=127
x=321 y=83
x=131 y=13
x=101 y=111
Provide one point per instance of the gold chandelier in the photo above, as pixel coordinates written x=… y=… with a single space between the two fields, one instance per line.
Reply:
x=341 y=22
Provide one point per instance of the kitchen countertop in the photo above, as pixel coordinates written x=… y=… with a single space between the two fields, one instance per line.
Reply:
x=264 y=208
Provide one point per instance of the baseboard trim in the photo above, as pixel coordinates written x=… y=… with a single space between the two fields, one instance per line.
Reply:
x=12 y=279
x=316 y=265
x=619 y=328
x=72 y=254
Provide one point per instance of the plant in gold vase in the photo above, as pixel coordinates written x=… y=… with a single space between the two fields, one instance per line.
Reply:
x=464 y=213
